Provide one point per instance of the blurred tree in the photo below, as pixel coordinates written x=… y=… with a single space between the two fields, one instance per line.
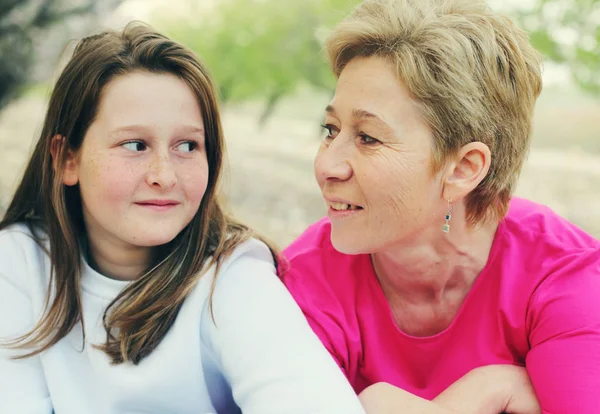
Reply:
x=22 y=22
x=568 y=32
x=266 y=48
x=263 y=48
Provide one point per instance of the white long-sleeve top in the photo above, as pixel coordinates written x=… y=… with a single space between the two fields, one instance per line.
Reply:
x=260 y=357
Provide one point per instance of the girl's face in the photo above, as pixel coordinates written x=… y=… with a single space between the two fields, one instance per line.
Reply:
x=142 y=168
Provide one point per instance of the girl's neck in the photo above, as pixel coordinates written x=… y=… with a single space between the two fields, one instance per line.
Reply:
x=120 y=263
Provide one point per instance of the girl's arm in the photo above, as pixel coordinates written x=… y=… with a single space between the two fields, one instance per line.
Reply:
x=266 y=350
x=22 y=383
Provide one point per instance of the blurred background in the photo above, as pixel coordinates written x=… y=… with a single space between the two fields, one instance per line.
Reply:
x=267 y=59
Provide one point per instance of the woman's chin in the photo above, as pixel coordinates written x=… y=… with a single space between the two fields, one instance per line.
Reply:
x=348 y=245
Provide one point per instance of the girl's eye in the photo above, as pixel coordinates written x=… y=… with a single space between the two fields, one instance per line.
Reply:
x=187 y=146
x=136 y=146
x=368 y=140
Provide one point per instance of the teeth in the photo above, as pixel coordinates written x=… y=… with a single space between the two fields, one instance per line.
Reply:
x=340 y=206
x=343 y=206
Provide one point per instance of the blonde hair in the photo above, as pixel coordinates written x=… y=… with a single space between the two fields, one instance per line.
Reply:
x=472 y=73
x=139 y=318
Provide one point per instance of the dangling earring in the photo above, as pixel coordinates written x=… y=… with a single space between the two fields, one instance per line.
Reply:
x=446 y=227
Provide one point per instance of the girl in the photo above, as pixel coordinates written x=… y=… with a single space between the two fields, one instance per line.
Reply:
x=124 y=288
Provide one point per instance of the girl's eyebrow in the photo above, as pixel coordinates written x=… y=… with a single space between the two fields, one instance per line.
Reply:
x=129 y=129
x=191 y=129
x=185 y=130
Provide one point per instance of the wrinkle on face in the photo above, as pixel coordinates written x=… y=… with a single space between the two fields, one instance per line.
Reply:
x=392 y=178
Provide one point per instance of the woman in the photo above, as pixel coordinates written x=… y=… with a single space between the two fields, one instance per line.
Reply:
x=124 y=287
x=427 y=269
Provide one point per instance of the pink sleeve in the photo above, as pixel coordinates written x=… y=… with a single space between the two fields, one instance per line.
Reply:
x=564 y=335
x=322 y=310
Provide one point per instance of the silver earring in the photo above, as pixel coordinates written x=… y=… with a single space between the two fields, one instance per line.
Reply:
x=446 y=227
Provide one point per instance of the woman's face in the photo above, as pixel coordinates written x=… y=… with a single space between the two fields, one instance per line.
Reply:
x=142 y=168
x=375 y=165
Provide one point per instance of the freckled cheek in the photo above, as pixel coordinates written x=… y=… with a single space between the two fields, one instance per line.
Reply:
x=194 y=180
x=110 y=182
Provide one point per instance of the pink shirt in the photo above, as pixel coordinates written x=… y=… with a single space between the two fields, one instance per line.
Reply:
x=535 y=304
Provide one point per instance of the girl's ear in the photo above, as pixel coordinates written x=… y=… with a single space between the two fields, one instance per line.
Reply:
x=70 y=172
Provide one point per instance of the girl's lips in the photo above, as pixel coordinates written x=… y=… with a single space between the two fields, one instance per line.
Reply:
x=158 y=205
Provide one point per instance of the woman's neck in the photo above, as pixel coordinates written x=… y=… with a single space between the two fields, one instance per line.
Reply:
x=427 y=279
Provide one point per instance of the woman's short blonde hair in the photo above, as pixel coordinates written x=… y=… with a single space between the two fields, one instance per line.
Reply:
x=472 y=72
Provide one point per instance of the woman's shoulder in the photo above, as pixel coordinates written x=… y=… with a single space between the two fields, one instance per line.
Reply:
x=537 y=226
x=557 y=255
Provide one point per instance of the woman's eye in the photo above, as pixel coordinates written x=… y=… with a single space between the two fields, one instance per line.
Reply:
x=366 y=139
x=188 y=146
x=331 y=132
x=136 y=146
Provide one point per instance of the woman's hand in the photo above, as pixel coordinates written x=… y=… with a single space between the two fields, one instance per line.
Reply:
x=384 y=398
x=492 y=389
x=517 y=391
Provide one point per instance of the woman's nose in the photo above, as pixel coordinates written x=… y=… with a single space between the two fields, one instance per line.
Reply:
x=331 y=162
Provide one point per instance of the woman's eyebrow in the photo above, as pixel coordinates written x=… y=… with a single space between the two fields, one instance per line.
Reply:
x=361 y=114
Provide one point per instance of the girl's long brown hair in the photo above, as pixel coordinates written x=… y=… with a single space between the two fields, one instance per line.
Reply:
x=139 y=318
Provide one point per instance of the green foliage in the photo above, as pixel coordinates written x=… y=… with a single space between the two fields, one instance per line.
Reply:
x=267 y=48
x=263 y=48
x=568 y=32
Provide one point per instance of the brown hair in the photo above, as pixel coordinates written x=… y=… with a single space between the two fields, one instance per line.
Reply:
x=139 y=318
x=473 y=74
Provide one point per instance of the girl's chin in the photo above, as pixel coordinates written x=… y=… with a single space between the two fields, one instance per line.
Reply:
x=152 y=240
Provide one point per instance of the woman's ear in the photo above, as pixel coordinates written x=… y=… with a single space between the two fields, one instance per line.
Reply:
x=470 y=166
x=70 y=174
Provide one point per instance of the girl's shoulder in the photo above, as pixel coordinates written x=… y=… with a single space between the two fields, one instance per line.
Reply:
x=247 y=269
x=251 y=259
x=18 y=229
x=21 y=253
x=252 y=250
x=17 y=242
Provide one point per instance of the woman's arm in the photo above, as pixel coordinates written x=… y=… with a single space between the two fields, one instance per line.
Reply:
x=564 y=333
x=487 y=390
x=492 y=389
x=267 y=351
x=384 y=398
